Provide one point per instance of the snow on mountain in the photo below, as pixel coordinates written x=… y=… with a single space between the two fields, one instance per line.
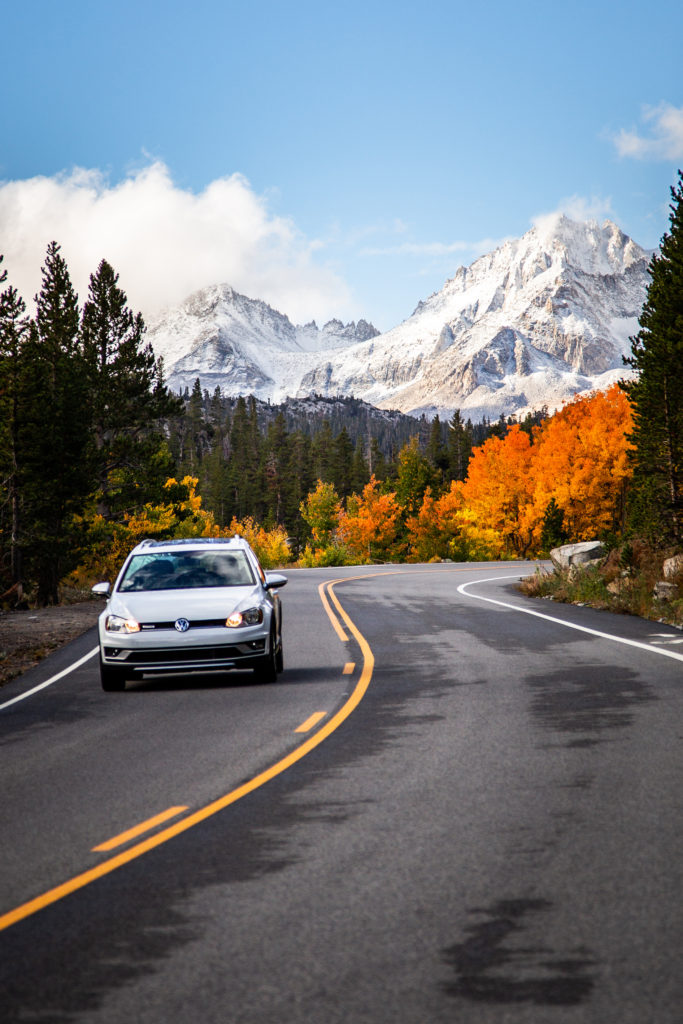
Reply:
x=243 y=345
x=536 y=321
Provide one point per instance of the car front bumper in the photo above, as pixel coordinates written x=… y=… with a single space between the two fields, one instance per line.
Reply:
x=146 y=652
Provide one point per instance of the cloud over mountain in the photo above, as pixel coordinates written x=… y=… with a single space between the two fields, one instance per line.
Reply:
x=165 y=241
x=665 y=138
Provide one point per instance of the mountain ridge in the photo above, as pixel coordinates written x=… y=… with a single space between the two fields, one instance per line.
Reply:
x=530 y=324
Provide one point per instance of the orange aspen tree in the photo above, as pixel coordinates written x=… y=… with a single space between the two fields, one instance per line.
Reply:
x=369 y=525
x=581 y=460
x=498 y=489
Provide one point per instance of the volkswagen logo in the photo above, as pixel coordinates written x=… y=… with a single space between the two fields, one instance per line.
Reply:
x=182 y=625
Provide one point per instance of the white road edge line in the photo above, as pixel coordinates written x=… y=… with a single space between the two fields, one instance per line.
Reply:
x=562 y=622
x=52 y=679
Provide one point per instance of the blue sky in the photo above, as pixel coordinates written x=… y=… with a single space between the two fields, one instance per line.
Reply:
x=333 y=160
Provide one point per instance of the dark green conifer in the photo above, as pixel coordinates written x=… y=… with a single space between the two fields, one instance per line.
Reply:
x=359 y=469
x=377 y=463
x=244 y=458
x=13 y=332
x=54 y=431
x=196 y=434
x=656 y=392
x=553 y=532
x=276 y=469
x=301 y=483
x=436 y=450
x=342 y=463
x=323 y=453
x=459 y=446
x=127 y=396
x=214 y=477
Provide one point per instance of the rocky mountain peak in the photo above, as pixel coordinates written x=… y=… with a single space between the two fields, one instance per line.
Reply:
x=529 y=324
x=361 y=331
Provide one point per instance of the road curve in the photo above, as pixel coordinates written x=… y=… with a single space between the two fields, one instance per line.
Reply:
x=455 y=804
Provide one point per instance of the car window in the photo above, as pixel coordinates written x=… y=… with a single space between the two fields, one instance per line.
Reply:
x=187 y=570
x=259 y=569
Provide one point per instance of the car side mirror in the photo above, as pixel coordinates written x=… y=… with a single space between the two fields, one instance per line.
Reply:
x=274 y=580
x=101 y=589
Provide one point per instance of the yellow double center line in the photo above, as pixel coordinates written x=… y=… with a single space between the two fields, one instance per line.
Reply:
x=106 y=867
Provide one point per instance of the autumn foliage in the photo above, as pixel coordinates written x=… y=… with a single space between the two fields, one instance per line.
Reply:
x=581 y=459
x=181 y=516
x=369 y=525
x=577 y=459
x=574 y=465
x=499 y=488
x=574 y=469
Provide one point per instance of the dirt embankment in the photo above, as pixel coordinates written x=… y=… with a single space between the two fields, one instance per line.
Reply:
x=28 y=636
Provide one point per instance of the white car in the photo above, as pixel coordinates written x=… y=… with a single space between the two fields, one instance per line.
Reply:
x=190 y=605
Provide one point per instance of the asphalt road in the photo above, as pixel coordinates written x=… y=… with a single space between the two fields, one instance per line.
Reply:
x=480 y=821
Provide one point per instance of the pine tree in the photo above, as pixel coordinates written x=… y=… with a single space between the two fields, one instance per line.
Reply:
x=436 y=451
x=459 y=446
x=301 y=482
x=377 y=463
x=217 y=413
x=276 y=469
x=254 y=455
x=656 y=392
x=196 y=437
x=13 y=332
x=342 y=463
x=244 y=463
x=54 y=431
x=323 y=453
x=214 y=477
x=553 y=533
x=360 y=474
x=127 y=397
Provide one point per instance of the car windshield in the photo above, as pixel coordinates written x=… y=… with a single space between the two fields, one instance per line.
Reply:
x=171 y=570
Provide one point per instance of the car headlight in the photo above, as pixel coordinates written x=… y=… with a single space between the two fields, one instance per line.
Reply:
x=117 y=624
x=251 y=617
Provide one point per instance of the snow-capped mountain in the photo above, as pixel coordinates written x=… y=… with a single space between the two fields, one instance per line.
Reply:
x=243 y=345
x=536 y=321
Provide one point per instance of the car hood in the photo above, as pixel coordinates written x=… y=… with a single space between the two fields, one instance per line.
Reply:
x=197 y=603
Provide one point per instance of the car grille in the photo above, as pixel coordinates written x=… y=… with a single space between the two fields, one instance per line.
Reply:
x=194 y=624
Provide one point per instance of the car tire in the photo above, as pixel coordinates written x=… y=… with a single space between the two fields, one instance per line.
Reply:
x=266 y=671
x=113 y=679
x=279 y=657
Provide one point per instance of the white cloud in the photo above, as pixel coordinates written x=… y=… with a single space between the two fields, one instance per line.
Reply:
x=664 y=141
x=165 y=241
x=579 y=208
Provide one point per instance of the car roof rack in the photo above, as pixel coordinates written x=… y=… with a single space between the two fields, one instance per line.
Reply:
x=180 y=541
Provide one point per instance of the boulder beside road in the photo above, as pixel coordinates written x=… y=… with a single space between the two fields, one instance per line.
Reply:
x=577 y=554
x=673 y=567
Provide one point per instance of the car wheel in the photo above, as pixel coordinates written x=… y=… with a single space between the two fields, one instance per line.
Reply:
x=113 y=679
x=266 y=672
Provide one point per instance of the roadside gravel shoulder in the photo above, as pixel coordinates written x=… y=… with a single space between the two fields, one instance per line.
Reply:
x=26 y=637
